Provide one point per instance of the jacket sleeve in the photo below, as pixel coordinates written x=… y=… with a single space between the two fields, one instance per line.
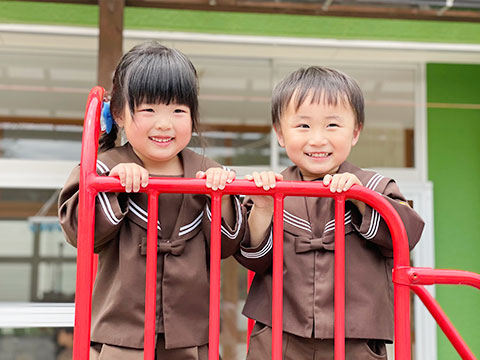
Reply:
x=110 y=210
x=374 y=228
x=230 y=236
x=259 y=258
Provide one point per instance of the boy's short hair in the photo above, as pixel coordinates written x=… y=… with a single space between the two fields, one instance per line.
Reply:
x=320 y=82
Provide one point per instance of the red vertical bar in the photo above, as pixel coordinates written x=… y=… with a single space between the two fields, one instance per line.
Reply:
x=86 y=227
x=83 y=291
x=339 y=278
x=277 y=282
x=214 y=326
x=151 y=277
x=250 y=322
x=402 y=321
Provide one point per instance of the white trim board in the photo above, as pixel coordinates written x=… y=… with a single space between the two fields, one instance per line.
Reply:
x=28 y=315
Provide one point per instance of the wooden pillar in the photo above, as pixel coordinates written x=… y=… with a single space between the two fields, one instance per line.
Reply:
x=229 y=336
x=110 y=48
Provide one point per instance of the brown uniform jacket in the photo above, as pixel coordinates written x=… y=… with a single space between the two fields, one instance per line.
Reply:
x=309 y=263
x=118 y=303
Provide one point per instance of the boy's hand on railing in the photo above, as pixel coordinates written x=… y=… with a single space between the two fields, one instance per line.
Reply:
x=262 y=210
x=343 y=182
x=266 y=180
x=131 y=175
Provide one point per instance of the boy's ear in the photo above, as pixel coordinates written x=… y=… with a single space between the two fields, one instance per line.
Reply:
x=278 y=132
x=356 y=134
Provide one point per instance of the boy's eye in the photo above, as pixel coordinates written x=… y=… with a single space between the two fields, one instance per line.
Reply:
x=332 y=125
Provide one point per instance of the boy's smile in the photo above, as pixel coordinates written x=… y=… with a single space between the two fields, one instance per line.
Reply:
x=318 y=137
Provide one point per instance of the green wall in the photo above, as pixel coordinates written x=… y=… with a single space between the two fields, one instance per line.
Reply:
x=454 y=169
x=246 y=23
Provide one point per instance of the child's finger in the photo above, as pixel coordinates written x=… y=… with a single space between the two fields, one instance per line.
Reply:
x=272 y=179
x=342 y=180
x=257 y=179
x=145 y=176
x=128 y=179
x=334 y=183
x=326 y=179
x=216 y=179
x=208 y=178
x=249 y=177
x=231 y=176
x=279 y=177
x=136 y=178
x=223 y=179
x=265 y=178
x=348 y=184
x=200 y=174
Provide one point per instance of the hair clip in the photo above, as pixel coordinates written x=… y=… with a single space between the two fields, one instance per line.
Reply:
x=106 y=119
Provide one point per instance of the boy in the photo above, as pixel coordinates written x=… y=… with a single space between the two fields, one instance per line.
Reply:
x=318 y=114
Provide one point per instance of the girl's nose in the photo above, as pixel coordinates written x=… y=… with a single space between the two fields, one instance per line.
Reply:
x=163 y=122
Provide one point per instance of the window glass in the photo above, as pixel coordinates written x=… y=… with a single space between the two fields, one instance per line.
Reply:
x=36 y=263
x=37 y=343
x=234 y=109
x=43 y=102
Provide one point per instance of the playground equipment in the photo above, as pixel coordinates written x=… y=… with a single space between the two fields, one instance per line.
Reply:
x=405 y=277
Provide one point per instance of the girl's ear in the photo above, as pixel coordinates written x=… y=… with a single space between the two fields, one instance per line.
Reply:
x=278 y=132
x=356 y=134
x=119 y=121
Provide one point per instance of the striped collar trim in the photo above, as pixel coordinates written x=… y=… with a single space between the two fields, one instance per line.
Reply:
x=296 y=221
x=225 y=231
x=262 y=252
x=374 y=181
x=329 y=226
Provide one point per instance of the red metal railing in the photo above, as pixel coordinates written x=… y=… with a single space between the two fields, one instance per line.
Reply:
x=404 y=276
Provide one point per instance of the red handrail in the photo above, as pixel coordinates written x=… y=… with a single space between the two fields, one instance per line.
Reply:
x=405 y=277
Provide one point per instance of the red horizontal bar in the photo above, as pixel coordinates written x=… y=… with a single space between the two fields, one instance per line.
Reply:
x=428 y=276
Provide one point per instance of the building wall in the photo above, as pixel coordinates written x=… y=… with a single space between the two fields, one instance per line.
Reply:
x=454 y=169
x=247 y=24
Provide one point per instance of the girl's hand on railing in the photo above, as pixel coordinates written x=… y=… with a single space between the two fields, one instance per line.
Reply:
x=216 y=178
x=131 y=175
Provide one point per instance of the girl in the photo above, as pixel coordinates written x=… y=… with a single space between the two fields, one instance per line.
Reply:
x=154 y=100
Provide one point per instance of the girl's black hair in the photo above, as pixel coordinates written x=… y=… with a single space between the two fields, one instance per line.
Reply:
x=155 y=74
x=320 y=83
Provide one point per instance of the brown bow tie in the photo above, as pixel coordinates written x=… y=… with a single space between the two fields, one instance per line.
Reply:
x=304 y=244
x=174 y=247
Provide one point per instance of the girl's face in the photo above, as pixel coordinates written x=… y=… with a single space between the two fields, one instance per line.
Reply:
x=157 y=133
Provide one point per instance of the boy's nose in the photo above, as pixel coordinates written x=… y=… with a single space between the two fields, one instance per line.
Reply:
x=318 y=138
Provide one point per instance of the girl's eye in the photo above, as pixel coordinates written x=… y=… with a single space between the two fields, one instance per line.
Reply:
x=150 y=110
x=179 y=111
x=303 y=126
x=332 y=125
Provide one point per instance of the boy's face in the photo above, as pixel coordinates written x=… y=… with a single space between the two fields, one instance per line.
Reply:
x=317 y=137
